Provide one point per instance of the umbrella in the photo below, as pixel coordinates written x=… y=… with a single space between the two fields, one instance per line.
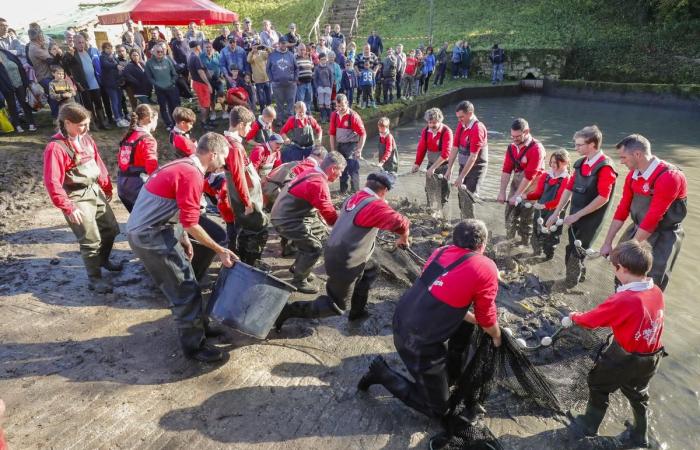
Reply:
x=168 y=12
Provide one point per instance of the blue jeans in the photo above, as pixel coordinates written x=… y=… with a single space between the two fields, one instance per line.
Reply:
x=115 y=101
x=305 y=94
x=497 y=74
x=264 y=93
x=284 y=95
x=168 y=100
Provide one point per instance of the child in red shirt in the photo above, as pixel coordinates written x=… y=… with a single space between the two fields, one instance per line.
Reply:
x=180 y=140
x=550 y=187
x=387 y=153
x=636 y=315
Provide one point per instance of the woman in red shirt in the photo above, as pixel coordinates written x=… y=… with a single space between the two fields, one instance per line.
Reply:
x=138 y=155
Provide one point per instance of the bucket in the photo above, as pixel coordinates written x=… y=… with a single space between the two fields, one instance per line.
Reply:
x=201 y=259
x=248 y=300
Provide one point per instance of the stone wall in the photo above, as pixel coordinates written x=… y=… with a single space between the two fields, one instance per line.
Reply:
x=523 y=63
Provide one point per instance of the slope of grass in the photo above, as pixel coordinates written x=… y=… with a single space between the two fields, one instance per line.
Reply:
x=281 y=12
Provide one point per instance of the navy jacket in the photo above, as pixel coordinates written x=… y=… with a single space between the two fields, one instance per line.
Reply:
x=5 y=81
x=137 y=79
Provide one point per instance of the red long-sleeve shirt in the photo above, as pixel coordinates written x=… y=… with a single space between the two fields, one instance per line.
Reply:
x=57 y=162
x=530 y=156
x=539 y=190
x=388 y=144
x=262 y=154
x=431 y=143
x=377 y=214
x=304 y=165
x=351 y=120
x=668 y=187
x=145 y=151
x=182 y=143
x=315 y=191
x=606 y=177
x=250 y=137
x=295 y=122
x=477 y=136
x=636 y=318
x=236 y=161
x=222 y=203
x=480 y=290
x=183 y=183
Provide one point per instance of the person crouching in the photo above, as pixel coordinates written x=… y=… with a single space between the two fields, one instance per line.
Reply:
x=636 y=315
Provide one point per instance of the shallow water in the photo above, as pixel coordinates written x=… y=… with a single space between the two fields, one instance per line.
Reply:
x=675 y=402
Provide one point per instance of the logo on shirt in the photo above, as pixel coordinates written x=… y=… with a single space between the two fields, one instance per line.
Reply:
x=645 y=188
x=651 y=334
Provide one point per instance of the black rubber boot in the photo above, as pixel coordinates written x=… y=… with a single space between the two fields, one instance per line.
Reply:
x=587 y=424
x=636 y=435
x=319 y=308
x=95 y=281
x=374 y=374
x=207 y=354
x=105 y=251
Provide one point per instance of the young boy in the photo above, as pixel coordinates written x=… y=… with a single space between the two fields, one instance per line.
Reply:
x=61 y=89
x=262 y=128
x=237 y=94
x=180 y=141
x=550 y=187
x=387 y=152
x=349 y=81
x=409 y=76
x=366 y=83
x=324 y=80
x=636 y=315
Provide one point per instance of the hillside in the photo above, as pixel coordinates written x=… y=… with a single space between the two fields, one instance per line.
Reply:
x=652 y=41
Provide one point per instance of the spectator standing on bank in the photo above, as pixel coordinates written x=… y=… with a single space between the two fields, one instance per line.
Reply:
x=457 y=60
x=349 y=83
x=400 y=70
x=200 y=83
x=11 y=43
x=389 y=76
x=366 y=83
x=323 y=79
x=269 y=37
x=110 y=79
x=39 y=57
x=409 y=75
x=13 y=86
x=232 y=56
x=195 y=34
x=82 y=68
x=375 y=43
x=337 y=38
x=257 y=58
x=293 y=38
x=466 y=60
x=283 y=73
x=221 y=40
x=138 y=36
x=497 y=57
x=212 y=64
x=441 y=61
x=136 y=79
x=428 y=68
x=306 y=72
x=162 y=75
x=61 y=88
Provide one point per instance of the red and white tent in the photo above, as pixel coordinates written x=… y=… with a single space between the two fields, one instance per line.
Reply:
x=168 y=12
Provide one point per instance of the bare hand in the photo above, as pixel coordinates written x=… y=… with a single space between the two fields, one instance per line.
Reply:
x=76 y=217
x=470 y=317
x=430 y=173
x=551 y=220
x=227 y=257
x=187 y=246
x=403 y=241
x=459 y=182
x=249 y=210
x=109 y=197
x=513 y=200
x=415 y=168
x=568 y=220
x=605 y=250
x=501 y=197
x=496 y=341
x=538 y=205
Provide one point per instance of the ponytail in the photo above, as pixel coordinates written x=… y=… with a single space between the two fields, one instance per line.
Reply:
x=73 y=112
x=141 y=112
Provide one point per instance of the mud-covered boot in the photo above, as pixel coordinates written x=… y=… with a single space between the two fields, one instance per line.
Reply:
x=99 y=285
x=636 y=435
x=323 y=306
x=374 y=374
x=105 y=251
x=587 y=424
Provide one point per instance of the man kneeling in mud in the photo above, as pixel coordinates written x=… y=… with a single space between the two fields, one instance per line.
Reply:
x=436 y=310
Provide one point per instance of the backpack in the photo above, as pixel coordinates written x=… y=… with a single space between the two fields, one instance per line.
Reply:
x=125 y=156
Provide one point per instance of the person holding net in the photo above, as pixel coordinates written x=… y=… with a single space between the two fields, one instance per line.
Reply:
x=435 y=311
x=636 y=315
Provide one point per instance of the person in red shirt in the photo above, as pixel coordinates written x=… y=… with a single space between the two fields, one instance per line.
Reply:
x=471 y=149
x=138 y=155
x=550 y=187
x=524 y=162
x=294 y=216
x=284 y=173
x=244 y=190
x=267 y=156
x=180 y=141
x=436 y=310
x=348 y=253
x=636 y=315
x=299 y=134
x=262 y=127
x=216 y=189
x=435 y=141
x=655 y=195
x=78 y=184
x=589 y=190
x=387 y=153
x=166 y=213
x=347 y=136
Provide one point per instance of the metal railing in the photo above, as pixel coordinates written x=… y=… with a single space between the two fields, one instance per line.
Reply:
x=355 y=25
x=316 y=27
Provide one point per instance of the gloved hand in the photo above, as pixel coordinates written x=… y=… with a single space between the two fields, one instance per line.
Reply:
x=566 y=322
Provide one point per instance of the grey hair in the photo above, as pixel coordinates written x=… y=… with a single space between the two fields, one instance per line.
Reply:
x=341 y=98
x=333 y=159
x=319 y=151
x=635 y=142
x=434 y=114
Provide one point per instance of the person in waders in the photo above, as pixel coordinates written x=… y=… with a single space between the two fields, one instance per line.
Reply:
x=590 y=187
x=435 y=141
x=78 y=184
x=348 y=253
x=522 y=164
x=347 y=136
x=167 y=211
x=629 y=361
x=295 y=216
x=266 y=156
x=432 y=323
x=299 y=134
x=655 y=196
x=387 y=153
x=550 y=187
x=284 y=173
x=244 y=191
x=471 y=149
x=262 y=127
x=138 y=155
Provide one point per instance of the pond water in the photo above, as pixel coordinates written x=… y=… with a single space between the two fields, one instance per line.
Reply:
x=675 y=137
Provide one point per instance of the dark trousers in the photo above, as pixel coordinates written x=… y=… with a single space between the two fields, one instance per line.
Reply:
x=251 y=244
x=366 y=94
x=352 y=169
x=168 y=100
x=164 y=258
x=630 y=373
x=15 y=95
x=115 y=101
x=426 y=82
x=307 y=235
x=440 y=75
x=398 y=86
x=353 y=284
x=107 y=104
x=575 y=257
x=53 y=104
x=665 y=246
x=92 y=101
x=388 y=90
x=541 y=241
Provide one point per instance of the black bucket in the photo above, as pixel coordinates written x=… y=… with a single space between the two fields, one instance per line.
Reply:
x=201 y=259
x=248 y=300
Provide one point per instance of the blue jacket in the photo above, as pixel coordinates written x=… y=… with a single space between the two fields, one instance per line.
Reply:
x=212 y=64
x=282 y=67
x=228 y=58
x=366 y=78
x=376 y=45
x=110 y=76
x=428 y=64
x=456 y=54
